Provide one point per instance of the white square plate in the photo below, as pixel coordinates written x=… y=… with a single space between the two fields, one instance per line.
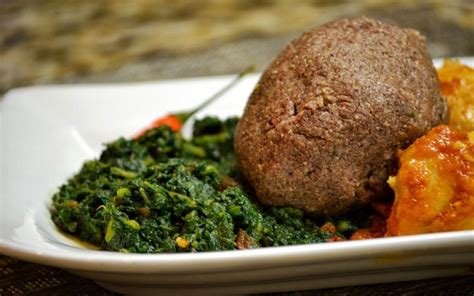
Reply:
x=48 y=131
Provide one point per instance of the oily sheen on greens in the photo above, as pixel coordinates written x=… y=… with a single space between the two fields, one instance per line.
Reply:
x=162 y=193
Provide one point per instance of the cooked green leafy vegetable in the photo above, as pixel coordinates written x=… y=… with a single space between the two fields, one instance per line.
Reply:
x=162 y=193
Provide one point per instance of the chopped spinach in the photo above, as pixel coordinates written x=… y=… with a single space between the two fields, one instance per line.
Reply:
x=162 y=193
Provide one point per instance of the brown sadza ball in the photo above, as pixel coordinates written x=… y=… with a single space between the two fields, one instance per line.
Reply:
x=321 y=129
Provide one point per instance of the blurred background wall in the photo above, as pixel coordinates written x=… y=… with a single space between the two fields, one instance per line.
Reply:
x=69 y=41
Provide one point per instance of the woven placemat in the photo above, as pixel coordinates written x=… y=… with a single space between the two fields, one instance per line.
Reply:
x=20 y=278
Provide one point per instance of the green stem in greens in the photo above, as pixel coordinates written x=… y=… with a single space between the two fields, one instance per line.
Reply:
x=183 y=116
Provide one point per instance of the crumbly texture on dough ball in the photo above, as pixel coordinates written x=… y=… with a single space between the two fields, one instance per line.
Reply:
x=322 y=127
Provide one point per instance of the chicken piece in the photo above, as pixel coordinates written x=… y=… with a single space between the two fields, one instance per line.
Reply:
x=434 y=188
x=457 y=86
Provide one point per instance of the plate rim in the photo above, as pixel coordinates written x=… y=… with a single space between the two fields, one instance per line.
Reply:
x=105 y=261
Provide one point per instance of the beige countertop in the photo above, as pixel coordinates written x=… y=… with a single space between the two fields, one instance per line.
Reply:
x=92 y=41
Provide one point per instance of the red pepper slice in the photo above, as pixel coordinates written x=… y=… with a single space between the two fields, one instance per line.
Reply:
x=171 y=120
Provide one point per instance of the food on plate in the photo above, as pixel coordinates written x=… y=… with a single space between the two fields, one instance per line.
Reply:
x=434 y=187
x=161 y=193
x=457 y=86
x=321 y=130
x=376 y=223
x=316 y=144
x=434 y=210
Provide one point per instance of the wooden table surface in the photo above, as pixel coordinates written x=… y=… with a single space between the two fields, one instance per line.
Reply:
x=88 y=41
